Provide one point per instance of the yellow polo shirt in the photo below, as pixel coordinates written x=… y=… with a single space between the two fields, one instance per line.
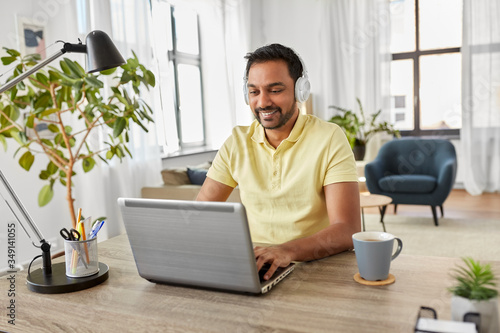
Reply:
x=282 y=188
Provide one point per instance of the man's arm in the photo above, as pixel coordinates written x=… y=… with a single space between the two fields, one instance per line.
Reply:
x=213 y=190
x=342 y=202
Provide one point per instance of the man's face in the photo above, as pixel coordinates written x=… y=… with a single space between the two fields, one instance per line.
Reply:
x=271 y=93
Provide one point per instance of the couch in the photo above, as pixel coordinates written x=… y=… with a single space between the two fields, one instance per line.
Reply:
x=182 y=184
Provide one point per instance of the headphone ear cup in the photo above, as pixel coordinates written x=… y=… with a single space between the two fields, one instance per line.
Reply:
x=245 y=92
x=302 y=89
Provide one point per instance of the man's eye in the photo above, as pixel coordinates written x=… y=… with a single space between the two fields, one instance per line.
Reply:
x=253 y=92
x=276 y=91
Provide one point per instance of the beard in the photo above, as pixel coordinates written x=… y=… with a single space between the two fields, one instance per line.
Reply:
x=283 y=119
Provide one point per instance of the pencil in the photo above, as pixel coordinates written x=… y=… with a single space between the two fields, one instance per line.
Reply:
x=79 y=215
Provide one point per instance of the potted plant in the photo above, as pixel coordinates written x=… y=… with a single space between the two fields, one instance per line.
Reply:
x=474 y=292
x=55 y=113
x=358 y=130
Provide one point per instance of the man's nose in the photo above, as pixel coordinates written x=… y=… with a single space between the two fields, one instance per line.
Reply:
x=263 y=100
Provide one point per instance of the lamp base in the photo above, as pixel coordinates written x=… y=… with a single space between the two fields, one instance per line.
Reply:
x=59 y=283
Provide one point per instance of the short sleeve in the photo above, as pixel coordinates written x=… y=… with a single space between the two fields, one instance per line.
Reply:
x=221 y=169
x=341 y=163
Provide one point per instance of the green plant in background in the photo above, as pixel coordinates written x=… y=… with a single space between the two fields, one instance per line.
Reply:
x=56 y=112
x=357 y=129
x=475 y=281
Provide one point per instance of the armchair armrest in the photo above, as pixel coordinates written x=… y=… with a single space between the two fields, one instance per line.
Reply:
x=373 y=172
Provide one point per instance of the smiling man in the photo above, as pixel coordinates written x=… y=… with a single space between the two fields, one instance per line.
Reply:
x=296 y=173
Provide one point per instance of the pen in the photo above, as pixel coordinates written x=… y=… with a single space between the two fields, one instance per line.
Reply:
x=96 y=229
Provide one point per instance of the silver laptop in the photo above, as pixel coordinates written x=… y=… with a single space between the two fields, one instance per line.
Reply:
x=194 y=243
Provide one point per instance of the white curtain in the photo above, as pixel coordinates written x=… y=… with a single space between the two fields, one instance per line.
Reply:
x=128 y=24
x=480 y=135
x=355 y=37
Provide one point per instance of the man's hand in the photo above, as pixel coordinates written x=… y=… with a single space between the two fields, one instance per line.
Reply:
x=276 y=256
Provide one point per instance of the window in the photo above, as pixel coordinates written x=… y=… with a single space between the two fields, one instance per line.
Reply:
x=176 y=44
x=426 y=36
x=185 y=57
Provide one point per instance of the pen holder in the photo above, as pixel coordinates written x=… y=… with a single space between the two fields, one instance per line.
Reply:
x=81 y=258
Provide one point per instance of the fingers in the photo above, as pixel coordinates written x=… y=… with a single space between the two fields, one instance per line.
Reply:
x=275 y=256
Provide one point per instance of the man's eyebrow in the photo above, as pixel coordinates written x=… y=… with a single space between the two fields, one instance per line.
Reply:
x=270 y=85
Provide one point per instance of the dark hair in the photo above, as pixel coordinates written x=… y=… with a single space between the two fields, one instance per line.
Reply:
x=276 y=52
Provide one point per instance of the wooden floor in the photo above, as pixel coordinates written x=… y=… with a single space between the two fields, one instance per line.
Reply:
x=459 y=204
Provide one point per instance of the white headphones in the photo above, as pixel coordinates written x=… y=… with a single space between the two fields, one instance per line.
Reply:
x=302 y=85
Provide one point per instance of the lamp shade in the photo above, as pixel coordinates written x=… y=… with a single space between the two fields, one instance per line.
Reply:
x=102 y=54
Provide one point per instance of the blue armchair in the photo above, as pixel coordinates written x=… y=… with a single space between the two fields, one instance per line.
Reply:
x=414 y=172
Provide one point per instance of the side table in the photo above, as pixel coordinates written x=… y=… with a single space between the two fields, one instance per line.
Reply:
x=367 y=199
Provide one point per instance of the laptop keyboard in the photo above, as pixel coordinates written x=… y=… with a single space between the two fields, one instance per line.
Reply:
x=265 y=268
x=263 y=271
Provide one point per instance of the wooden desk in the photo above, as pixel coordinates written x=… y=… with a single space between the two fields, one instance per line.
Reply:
x=319 y=296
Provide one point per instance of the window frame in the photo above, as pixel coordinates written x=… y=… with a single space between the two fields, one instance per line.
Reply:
x=181 y=58
x=415 y=56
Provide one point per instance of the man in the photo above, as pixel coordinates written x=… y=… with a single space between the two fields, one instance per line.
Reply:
x=296 y=173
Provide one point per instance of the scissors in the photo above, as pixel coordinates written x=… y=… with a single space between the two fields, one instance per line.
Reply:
x=73 y=235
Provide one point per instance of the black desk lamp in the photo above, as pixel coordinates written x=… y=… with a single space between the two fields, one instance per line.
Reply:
x=101 y=53
x=51 y=279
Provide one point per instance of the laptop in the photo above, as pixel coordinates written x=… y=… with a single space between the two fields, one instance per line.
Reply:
x=195 y=243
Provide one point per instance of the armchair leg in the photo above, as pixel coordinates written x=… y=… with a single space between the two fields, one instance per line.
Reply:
x=395 y=208
x=441 y=207
x=434 y=214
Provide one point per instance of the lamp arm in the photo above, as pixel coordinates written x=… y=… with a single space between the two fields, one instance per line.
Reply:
x=68 y=47
x=32 y=70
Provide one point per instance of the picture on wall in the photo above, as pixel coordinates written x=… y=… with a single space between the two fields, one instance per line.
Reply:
x=31 y=37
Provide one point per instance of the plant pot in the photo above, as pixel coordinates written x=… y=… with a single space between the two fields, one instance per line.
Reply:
x=488 y=310
x=359 y=152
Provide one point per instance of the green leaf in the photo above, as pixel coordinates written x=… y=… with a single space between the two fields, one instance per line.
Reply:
x=44 y=175
x=109 y=154
x=48 y=112
x=26 y=161
x=45 y=196
x=52 y=168
x=126 y=77
x=109 y=71
x=53 y=128
x=76 y=70
x=8 y=60
x=4 y=142
x=150 y=78
x=119 y=126
x=12 y=52
x=30 y=121
x=42 y=78
x=94 y=82
x=54 y=75
x=32 y=58
x=47 y=142
x=88 y=164
x=43 y=101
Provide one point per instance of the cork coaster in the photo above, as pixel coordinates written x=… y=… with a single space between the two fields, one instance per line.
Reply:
x=390 y=279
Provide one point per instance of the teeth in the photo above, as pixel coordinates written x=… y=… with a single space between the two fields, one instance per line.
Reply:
x=268 y=113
